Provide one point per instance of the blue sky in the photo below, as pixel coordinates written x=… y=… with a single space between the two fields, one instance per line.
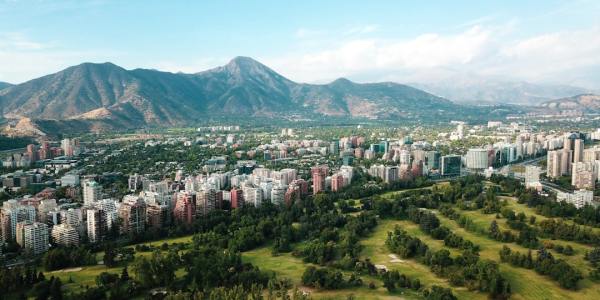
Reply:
x=311 y=41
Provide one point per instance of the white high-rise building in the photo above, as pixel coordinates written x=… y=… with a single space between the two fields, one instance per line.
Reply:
x=44 y=208
x=253 y=195
x=206 y=201
x=109 y=208
x=92 y=192
x=532 y=174
x=391 y=174
x=532 y=177
x=584 y=175
x=35 y=238
x=477 y=159
x=278 y=194
x=65 y=235
x=96 y=225
x=16 y=212
x=404 y=157
x=579 y=198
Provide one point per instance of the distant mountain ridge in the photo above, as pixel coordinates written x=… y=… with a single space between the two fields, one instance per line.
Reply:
x=488 y=90
x=4 y=85
x=589 y=103
x=114 y=96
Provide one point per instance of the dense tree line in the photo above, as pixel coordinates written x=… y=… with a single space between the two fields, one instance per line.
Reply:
x=328 y=279
x=558 y=229
x=18 y=279
x=209 y=267
x=63 y=257
x=547 y=205
x=544 y=264
x=593 y=257
x=439 y=293
x=394 y=279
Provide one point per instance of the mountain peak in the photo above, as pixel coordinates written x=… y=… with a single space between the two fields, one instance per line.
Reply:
x=92 y=64
x=238 y=60
x=342 y=80
x=246 y=64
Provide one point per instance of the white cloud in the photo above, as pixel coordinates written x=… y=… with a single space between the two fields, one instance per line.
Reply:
x=368 y=55
x=487 y=50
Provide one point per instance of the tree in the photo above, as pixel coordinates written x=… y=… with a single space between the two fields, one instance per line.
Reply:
x=55 y=289
x=439 y=293
x=124 y=275
x=494 y=230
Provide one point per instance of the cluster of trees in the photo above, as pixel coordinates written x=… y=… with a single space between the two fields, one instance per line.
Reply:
x=393 y=280
x=239 y=292
x=549 y=207
x=111 y=286
x=208 y=267
x=337 y=238
x=593 y=257
x=329 y=279
x=63 y=257
x=516 y=258
x=527 y=237
x=566 y=250
x=495 y=233
x=114 y=255
x=429 y=223
x=559 y=229
x=404 y=244
x=157 y=270
x=465 y=270
x=462 y=220
x=544 y=264
x=48 y=289
x=18 y=279
x=8 y=143
x=438 y=293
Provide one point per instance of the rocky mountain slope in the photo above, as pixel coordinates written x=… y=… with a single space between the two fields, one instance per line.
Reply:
x=589 y=103
x=133 y=98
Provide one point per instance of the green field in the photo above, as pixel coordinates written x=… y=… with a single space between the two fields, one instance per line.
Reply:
x=285 y=265
x=76 y=279
x=535 y=286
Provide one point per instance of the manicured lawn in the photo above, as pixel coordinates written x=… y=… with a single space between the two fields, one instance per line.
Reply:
x=527 y=284
x=81 y=277
x=375 y=249
x=86 y=276
x=286 y=265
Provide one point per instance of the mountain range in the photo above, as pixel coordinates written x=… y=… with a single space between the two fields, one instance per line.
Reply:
x=4 y=85
x=106 y=95
x=480 y=89
x=588 y=103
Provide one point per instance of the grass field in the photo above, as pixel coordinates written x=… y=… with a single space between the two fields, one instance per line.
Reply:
x=375 y=249
x=76 y=279
x=535 y=286
x=285 y=265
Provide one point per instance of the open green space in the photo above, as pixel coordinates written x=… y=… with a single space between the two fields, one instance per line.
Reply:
x=526 y=284
x=375 y=249
x=286 y=265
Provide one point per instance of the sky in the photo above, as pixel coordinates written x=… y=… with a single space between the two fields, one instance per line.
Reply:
x=547 y=41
